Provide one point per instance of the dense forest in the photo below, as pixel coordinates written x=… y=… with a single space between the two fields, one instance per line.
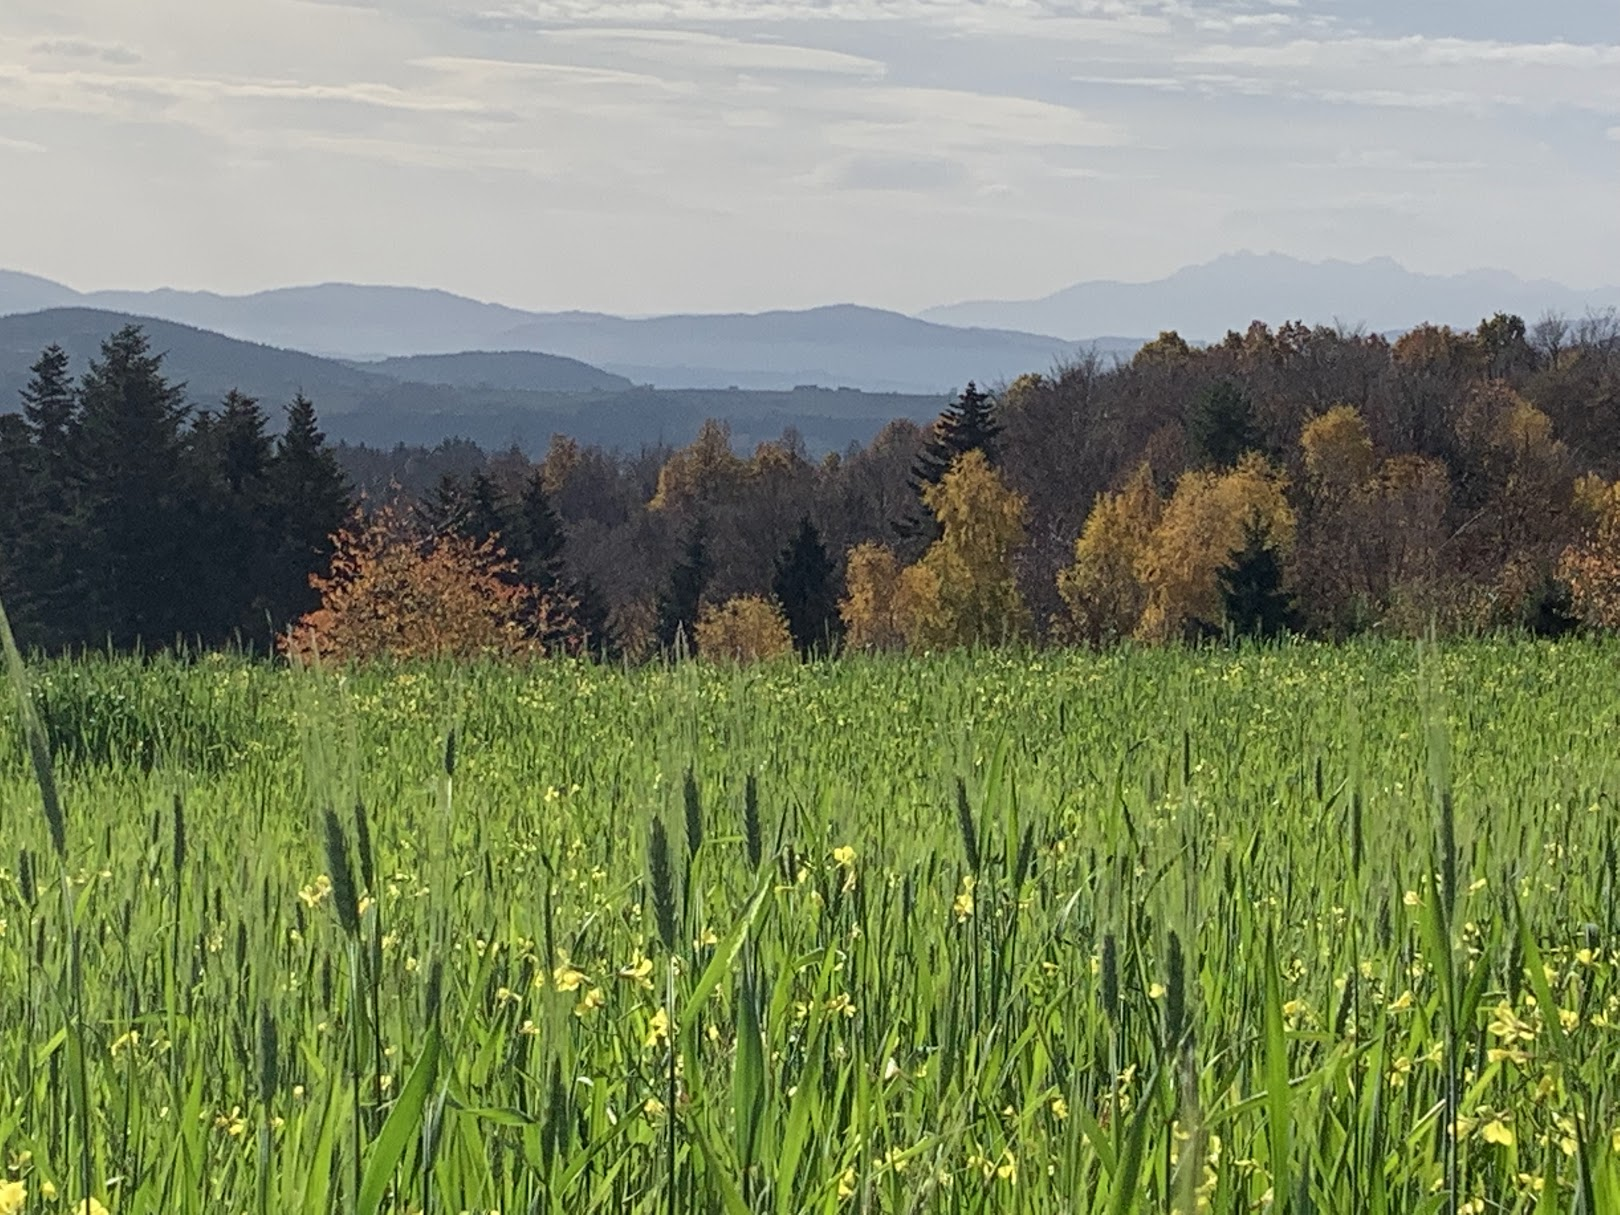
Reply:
x=1309 y=479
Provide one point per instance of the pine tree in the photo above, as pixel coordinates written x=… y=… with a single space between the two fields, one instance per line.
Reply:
x=44 y=582
x=444 y=511
x=21 y=486
x=591 y=611
x=49 y=401
x=1222 y=426
x=540 y=532
x=487 y=515
x=969 y=423
x=128 y=456
x=1251 y=586
x=311 y=500
x=804 y=588
x=236 y=523
x=682 y=597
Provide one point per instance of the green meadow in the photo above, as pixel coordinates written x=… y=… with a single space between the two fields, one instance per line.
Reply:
x=1289 y=929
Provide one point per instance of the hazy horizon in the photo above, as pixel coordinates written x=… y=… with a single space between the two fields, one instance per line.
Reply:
x=651 y=156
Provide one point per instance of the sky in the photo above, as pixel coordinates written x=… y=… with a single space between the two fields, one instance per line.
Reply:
x=644 y=156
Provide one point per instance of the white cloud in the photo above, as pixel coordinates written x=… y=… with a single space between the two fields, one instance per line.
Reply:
x=648 y=154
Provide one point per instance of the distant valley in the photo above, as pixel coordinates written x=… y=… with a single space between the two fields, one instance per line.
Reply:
x=482 y=397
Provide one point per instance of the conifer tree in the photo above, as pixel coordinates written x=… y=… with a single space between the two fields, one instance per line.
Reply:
x=443 y=510
x=128 y=449
x=1221 y=426
x=969 y=423
x=803 y=586
x=237 y=527
x=1251 y=586
x=681 y=599
x=311 y=501
x=49 y=401
x=538 y=533
x=487 y=516
x=43 y=583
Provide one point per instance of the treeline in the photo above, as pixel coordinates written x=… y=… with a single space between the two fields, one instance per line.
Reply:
x=130 y=520
x=1323 y=481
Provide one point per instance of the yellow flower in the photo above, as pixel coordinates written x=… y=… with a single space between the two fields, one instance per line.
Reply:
x=1497 y=1131
x=844 y=855
x=638 y=972
x=1402 y=1002
x=90 y=1206
x=1060 y=1108
x=962 y=905
x=313 y=895
x=846 y=1185
x=593 y=999
x=12 y=1196
x=564 y=977
x=658 y=1029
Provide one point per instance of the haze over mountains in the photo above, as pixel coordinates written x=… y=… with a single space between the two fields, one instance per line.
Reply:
x=837 y=346
x=1203 y=302
x=389 y=364
x=493 y=399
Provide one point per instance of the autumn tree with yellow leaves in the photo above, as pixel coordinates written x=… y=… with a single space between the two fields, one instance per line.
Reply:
x=746 y=628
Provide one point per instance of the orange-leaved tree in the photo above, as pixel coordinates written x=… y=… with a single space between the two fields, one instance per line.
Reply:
x=392 y=592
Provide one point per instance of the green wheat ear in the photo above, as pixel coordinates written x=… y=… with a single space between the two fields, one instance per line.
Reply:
x=663 y=883
x=39 y=750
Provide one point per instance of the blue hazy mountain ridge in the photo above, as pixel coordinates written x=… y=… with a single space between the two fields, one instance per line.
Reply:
x=1203 y=302
x=518 y=370
x=835 y=346
x=376 y=404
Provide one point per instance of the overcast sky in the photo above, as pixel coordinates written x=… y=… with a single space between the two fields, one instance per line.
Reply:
x=656 y=155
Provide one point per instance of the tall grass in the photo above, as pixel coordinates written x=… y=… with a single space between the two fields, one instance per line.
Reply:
x=1309 y=930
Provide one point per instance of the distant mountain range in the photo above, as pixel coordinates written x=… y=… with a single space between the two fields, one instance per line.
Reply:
x=837 y=346
x=400 y=364
x=494 y=399
x=1203 y=302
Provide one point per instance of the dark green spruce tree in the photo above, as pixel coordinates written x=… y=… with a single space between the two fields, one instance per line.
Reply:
x=539 y=539
x=311 y=501
x=804 y=587
x=970 y=423
x=237 y=523
x=1221 y=426
x=37 y=505
x=128 y=453
x=682 y=595
x=1251 y=586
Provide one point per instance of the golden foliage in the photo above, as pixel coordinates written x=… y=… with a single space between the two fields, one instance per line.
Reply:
x=1338 y=449
x=744 y=629
x=1591 y=567
x=1101 y=591
x=1201 y=526
x=966 y=590
x=392 y=593
x=706 y=472
x=1168 y=349
x=874 y=609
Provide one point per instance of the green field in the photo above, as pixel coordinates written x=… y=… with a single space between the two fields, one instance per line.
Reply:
x=1201 y=931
